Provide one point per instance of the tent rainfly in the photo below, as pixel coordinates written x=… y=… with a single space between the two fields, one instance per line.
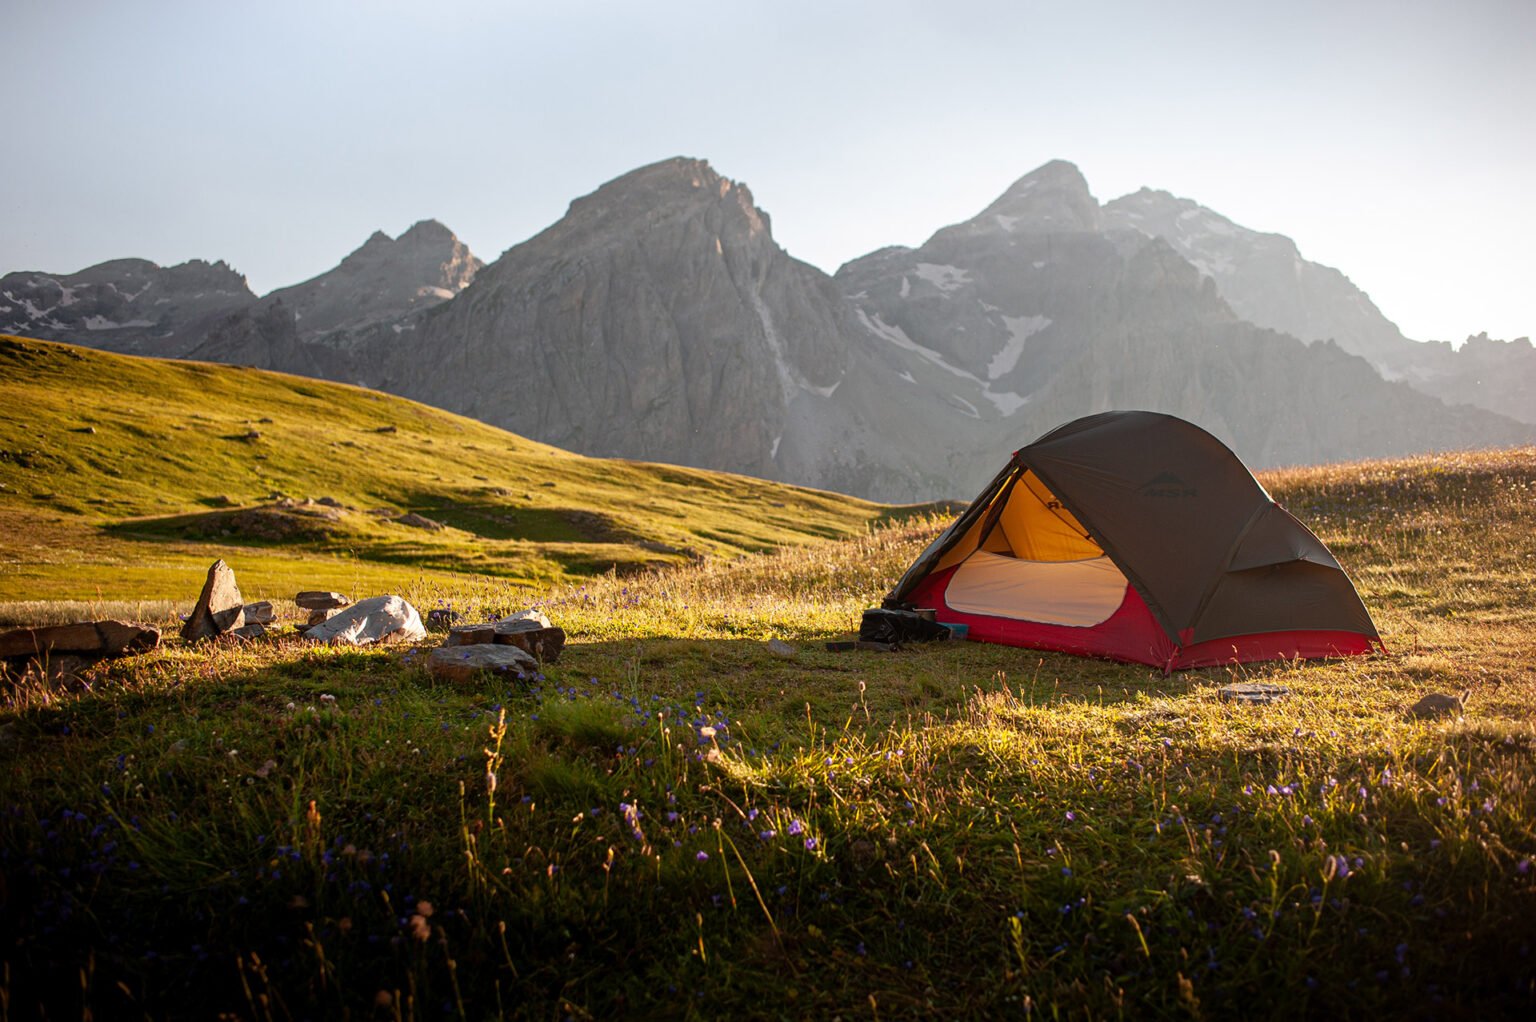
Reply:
x=1139 y=537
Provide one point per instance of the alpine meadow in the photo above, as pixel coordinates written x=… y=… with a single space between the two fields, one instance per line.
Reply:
x=699 y=810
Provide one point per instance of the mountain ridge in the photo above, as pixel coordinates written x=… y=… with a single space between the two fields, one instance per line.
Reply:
x=658 y=319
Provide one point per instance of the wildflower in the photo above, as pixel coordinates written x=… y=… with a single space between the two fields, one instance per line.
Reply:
x=1523 y=866
x=810 y=844
x=796 y=828
x=702 y=856
x=768 y=835
x=1071 y=816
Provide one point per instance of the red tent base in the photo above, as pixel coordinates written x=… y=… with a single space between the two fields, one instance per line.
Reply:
x=1132 y=635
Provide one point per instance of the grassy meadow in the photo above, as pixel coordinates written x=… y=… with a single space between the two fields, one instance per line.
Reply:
x=673 y=821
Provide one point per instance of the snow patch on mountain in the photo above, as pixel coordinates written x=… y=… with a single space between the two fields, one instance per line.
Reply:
x=1020 y=329
x=947 y=279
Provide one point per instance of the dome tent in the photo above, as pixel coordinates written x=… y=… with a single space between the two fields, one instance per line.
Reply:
x=1139 y=537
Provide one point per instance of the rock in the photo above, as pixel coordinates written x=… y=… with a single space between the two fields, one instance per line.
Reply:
x=441 y=619
x=219 y=608
x=471 y=635
x=1252 y=692
x=417 y=521
x=523 y=621
x=778 y=647
x=329 y=502
x=314 y=599
x=1437 y=704
x=319 y=617
x=461 y=665
x=101 y=638
x=249 y=631
x=260 y=613
x=380 y=619
x=543 y=643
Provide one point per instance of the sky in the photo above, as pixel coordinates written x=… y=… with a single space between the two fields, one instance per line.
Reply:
x=1392 y=139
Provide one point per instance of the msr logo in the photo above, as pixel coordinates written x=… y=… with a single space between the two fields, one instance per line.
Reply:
x=1166 y=484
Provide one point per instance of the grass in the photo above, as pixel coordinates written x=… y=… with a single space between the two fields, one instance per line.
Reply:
x=122 y=479
x=675 y=822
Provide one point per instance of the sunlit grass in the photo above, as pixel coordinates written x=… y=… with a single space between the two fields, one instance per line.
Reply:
x=676 y=822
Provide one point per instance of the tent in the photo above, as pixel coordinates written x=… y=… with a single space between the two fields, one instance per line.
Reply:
x=1139 y=537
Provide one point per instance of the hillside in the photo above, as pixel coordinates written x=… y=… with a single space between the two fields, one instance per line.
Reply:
x=123 y=477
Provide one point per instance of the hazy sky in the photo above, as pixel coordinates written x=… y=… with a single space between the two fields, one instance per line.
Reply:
x=1393 y=139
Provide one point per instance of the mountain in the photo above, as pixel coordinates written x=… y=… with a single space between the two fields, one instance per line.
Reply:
x=206 y=311
x=381 y=281
x=659 y=320
x=1267 y=282
x=1043 y=308
x=127 y=305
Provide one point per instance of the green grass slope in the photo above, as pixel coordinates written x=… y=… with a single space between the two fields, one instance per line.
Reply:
x=675 y=822
x=123 y=478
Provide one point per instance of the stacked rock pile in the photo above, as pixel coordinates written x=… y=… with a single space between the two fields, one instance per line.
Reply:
x=513 y=646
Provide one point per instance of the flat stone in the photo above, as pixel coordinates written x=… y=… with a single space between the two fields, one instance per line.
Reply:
x=1256 y=692
x=462 y=665
x=544 y=644
x=380 y=619
x=260 y=613
x=1437 y=704
x=471 y=635
x=523 y=621
x=249 y=631
x=219 y=607
x=315 y=599
x=102 y=638
x=778 y=647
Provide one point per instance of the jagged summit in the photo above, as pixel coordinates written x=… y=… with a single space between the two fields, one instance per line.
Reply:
x=1051 y=198
x=381 y=279
x=658 y=190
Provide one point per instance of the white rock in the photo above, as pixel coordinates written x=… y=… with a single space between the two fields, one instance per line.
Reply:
x=380 y=619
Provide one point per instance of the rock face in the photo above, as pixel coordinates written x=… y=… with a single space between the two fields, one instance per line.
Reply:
x=380 y=619
x=382 y=281
x=658 y=318
x=125 y=305
x=97 y=638
x=463 y=665
x=219 y=608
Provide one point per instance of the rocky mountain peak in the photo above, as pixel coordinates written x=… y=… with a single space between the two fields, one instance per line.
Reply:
x=679 y=186
x=1053 y=198
x=428 y=232
x=382 y=279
